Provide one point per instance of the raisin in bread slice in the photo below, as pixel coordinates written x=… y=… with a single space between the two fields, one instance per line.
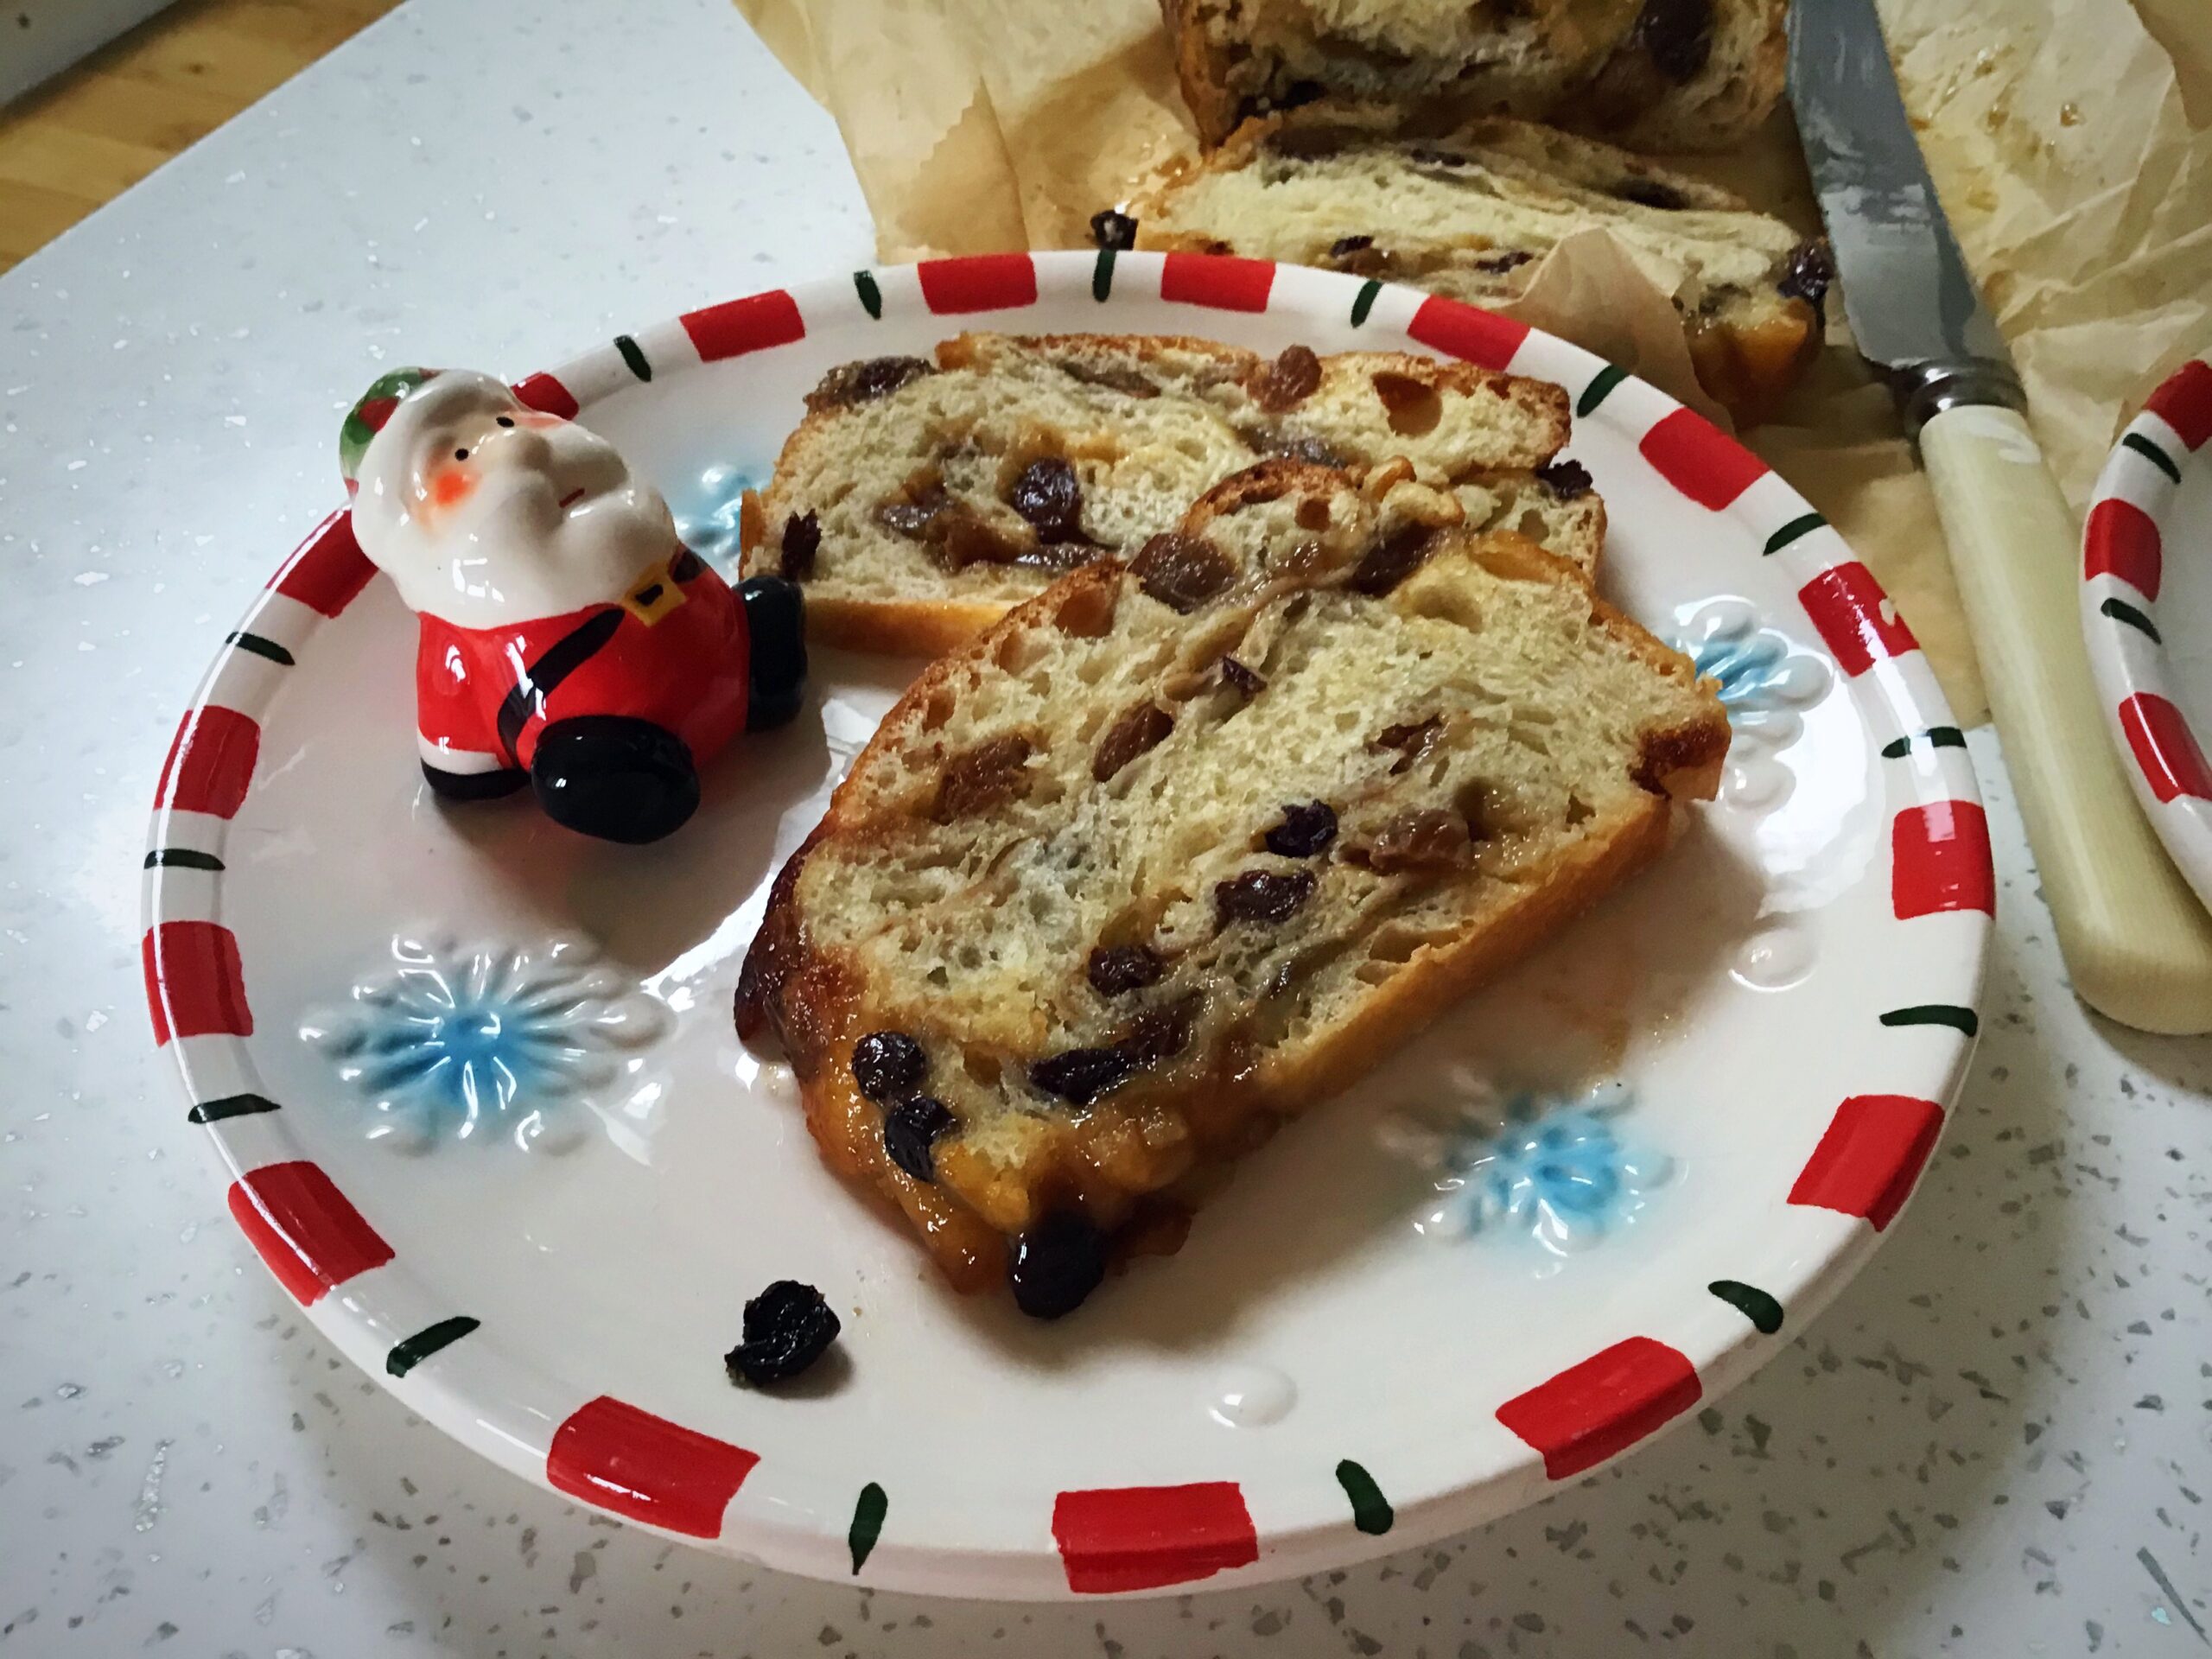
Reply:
x=917 y=502
x=1658 y=74
x=1185 y=842
x=1472 y=212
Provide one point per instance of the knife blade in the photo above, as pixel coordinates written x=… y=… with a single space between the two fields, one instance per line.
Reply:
x=2136 y=942
x=1912 y=305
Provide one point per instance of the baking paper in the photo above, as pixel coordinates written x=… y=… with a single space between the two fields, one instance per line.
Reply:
x=2059 y=133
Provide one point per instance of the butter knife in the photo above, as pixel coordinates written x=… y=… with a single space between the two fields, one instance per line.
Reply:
x=2136 y=942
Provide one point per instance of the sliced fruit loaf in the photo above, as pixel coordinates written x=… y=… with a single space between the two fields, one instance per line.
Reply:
x=1471 y=212
x=1657 y=74
x=1186 y=841
x=917 y=502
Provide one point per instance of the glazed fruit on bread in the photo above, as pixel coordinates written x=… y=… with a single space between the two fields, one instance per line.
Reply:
x=919 y=500
x=1471 y=212
x=1186 y=841
x=1655 y=74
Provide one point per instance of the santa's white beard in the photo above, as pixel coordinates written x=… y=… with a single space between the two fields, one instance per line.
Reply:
x=512 y=554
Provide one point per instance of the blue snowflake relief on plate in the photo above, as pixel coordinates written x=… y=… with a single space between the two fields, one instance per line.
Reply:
x=709 y=512
x=1763 y=679
x=1565 y=1171
x=489 y=1042
x=1764 y=683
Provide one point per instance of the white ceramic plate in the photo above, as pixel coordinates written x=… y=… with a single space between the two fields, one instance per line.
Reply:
x=1666 y=1142
x=2146 y=611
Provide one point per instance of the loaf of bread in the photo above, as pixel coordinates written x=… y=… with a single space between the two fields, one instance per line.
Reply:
x=918 y=501
x=1471 y=212
x=1656 y=74
x=1188 y=841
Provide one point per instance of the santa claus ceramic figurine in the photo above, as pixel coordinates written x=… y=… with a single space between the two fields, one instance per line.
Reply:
x=569 y=641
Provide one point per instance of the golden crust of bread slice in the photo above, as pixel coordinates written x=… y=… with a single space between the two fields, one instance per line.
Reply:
x=1181 y=845
x=919 y=500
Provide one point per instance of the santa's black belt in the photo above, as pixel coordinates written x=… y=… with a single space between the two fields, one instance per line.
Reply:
x=538 y=682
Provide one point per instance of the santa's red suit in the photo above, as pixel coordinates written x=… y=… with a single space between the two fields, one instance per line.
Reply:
x=568 y=642
x=674 y=652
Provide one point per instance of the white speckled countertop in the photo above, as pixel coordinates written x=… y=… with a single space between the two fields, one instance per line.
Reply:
x=1998 y=1441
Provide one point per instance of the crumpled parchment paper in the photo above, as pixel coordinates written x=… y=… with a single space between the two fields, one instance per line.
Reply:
x=2071 y=142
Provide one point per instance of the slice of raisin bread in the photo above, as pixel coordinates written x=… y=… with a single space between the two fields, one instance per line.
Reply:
x=1188 y=841
x=917 y=502
x=1470 y=213
x=1657 y=74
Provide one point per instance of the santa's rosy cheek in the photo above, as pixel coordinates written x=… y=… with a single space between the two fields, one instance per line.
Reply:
x=449 y=487
x=539 y=421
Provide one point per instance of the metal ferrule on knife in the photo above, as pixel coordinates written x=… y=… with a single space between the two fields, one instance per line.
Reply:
x=1924 y=391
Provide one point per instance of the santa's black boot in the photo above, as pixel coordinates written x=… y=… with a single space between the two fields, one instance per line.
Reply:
x=615 y=776
x=775 y=620
x=473 y=785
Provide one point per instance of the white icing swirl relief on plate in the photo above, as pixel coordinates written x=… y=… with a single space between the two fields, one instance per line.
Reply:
x=1775 y=958
x=1250 y=1396
x=523 y=1043
x=1565 y=1171
x=1765 y=684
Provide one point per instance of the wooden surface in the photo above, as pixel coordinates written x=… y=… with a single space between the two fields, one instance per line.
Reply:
x=92 y=133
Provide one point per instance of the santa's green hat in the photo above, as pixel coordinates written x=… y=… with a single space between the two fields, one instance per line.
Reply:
x=367 y=416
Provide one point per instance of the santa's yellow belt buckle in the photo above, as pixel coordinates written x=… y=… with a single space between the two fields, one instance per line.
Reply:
x=654 y=598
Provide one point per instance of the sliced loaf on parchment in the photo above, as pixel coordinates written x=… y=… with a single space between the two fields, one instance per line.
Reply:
x=1471 y=213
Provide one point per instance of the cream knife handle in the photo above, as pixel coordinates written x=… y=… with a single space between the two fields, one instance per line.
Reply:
x=2136 y=941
